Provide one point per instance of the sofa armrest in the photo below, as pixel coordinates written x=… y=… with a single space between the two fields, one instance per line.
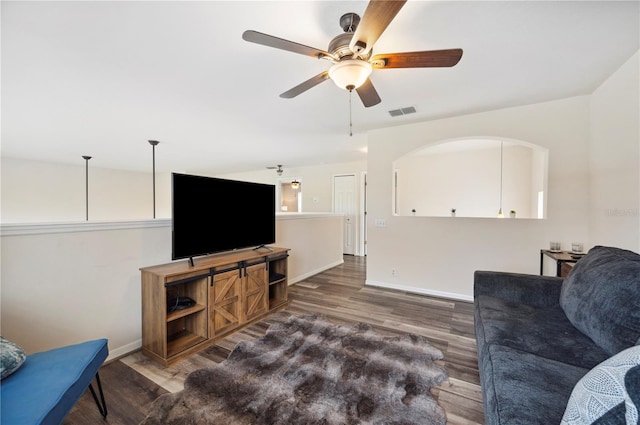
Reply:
x=534 y=290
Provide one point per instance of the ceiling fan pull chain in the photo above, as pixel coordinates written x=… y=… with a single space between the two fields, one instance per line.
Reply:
x=350 y=115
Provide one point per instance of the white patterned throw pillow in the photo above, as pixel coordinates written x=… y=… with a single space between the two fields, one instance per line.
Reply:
x=602 y=393
x=11 y=357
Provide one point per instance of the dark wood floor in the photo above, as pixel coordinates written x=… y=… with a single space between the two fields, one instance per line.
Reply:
x=131 y=383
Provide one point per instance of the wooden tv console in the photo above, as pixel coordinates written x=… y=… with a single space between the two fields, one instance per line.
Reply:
x=230 y=290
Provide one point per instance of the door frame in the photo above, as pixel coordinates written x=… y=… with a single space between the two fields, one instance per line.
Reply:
x=279 y=182
x=362 y=237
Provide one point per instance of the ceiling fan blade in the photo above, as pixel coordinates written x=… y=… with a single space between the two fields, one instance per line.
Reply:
x=426 y=59
x=303 y=87
x=280 y=43
x=377 y=17
x=368 y=94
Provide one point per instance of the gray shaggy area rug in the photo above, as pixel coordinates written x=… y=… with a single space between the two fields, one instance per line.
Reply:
x=309 y=371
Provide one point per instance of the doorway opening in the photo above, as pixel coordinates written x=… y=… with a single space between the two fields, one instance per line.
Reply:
x=289 y=194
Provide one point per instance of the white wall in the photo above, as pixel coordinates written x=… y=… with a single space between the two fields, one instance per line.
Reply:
x=41 y=192
x=439 y=255
x=66 y=283
x=468 y=181
x=36 y=192
x=614 y=160
x=593 y=184
x=315 y=241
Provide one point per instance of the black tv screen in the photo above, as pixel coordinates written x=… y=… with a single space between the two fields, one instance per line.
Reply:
x=211 y=215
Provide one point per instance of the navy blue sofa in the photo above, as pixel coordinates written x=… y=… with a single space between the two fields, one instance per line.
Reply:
x=543 y=342
x=48 y=384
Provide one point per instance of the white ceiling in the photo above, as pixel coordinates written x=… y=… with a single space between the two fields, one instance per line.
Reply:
x=101 y=78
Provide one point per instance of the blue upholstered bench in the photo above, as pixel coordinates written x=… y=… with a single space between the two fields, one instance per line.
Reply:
x=48 y=384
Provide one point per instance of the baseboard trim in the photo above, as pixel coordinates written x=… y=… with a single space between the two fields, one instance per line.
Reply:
x=420 y=291
x=314 y=272
x=124 y=350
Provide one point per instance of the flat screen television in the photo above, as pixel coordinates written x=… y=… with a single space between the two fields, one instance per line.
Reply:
x=211 y=215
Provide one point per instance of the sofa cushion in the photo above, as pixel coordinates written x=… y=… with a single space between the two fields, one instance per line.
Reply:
x=601 y=297
x=11 y=357
x=545 y=332
x=608 y=393
x=521 y=388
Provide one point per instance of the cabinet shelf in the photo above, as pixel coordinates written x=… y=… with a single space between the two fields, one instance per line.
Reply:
x=174 y=315
x=179 y=342
x=277 y=294
x=278 y=282
x=275 y=303
x=276 y=278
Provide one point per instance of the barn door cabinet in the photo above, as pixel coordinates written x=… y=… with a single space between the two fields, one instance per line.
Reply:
x=237 y=296
x=229 y=291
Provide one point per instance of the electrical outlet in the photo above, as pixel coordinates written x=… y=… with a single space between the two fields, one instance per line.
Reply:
x=381 y=222
x=394 y=272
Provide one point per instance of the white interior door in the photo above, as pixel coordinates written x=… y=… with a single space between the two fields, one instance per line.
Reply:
x=345 y=201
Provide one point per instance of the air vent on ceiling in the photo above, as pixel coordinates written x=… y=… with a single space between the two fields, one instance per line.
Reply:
x=402 y=111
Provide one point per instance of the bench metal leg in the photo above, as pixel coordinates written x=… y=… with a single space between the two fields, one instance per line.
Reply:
x=102 y=405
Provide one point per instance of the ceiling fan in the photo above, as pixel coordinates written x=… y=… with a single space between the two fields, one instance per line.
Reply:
x=278 y=169
x=351 y=53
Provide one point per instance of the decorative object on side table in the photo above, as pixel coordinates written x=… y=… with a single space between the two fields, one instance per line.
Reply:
x=512 y=213
x=453 y=212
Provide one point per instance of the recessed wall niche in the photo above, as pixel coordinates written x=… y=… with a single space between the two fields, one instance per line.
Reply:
x=476 y=177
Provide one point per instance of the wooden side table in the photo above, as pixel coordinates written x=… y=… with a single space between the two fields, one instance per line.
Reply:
x=560 y=257
x=566 y=268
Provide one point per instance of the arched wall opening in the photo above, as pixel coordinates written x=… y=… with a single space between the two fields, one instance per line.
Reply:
x=472 y=177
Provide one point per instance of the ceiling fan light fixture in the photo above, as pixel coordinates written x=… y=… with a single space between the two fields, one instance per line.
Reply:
x=350 y=74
